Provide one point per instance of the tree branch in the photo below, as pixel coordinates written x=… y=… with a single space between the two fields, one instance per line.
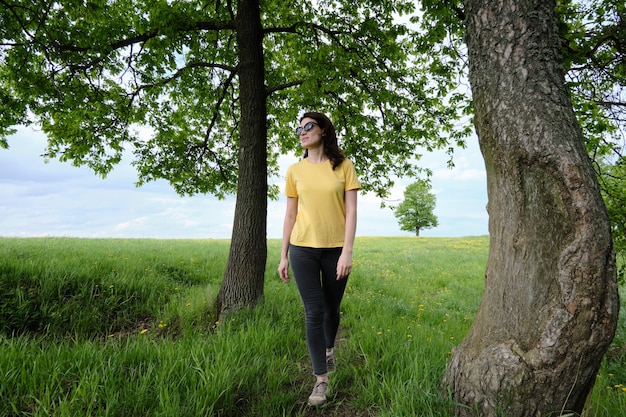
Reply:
x=144 y=37
x=205 y=144
x=271 y=90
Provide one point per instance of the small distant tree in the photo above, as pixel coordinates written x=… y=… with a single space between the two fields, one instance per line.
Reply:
x=415 y=212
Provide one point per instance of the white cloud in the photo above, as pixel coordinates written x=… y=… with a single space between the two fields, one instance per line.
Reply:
x=131 y=224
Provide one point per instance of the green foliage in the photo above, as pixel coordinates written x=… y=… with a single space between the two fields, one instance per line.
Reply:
x=160 y=79
x=612 y=178
x=408 y=303
x=594 y=50
x=415 y=212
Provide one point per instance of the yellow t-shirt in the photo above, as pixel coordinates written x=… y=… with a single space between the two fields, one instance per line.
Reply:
x=321 y=218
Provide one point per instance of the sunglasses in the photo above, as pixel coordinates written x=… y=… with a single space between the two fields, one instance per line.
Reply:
x=307 y=127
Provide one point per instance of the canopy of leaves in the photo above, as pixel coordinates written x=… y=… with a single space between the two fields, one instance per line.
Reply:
x=159 y=79
x=594 y=45
x=415 y=212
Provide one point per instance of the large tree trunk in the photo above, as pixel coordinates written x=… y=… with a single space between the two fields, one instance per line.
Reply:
x=550 y=305
x=245 y=271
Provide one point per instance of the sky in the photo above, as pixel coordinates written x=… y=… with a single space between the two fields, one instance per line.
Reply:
x=54 y=199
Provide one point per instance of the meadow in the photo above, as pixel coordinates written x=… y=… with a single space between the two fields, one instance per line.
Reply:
x=126 y=327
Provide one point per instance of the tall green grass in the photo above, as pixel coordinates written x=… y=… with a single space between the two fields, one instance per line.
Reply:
x=106 y=327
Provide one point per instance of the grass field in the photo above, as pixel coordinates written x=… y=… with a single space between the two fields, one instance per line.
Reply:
x=106 y=327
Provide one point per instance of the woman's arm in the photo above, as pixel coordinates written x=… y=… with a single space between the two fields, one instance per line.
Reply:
x=344 y=265
x=290 y=219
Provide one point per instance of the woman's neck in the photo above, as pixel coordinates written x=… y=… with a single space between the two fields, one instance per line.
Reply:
x=316 y=156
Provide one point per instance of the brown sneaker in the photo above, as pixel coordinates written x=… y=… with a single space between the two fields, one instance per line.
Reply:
x=318 y=396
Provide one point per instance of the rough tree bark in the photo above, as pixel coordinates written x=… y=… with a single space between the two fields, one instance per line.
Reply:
x=550 y=305
x=243 y=281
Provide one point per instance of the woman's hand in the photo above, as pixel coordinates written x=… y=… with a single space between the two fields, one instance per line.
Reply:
x=283 y=269
x=344 y=265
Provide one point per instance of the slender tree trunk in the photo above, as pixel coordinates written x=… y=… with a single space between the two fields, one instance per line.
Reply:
x=245 y=271
x=550 y=306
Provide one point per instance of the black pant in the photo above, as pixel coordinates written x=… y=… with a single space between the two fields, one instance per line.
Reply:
x=315 y=272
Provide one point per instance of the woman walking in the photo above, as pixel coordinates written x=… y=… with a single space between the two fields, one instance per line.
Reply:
x=318 y=236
